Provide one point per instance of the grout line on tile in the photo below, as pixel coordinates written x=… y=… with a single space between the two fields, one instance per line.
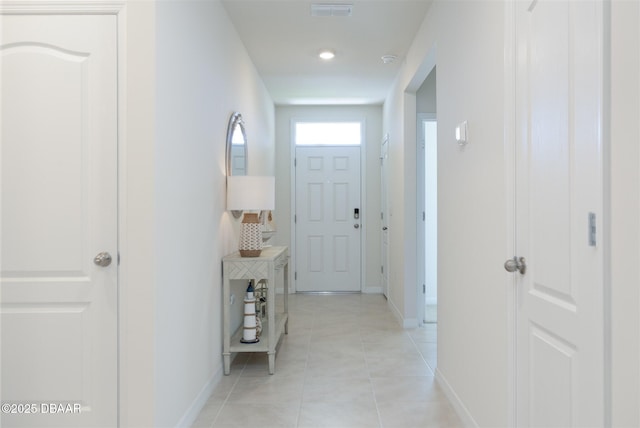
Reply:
x=226 y=398
x=415 y=345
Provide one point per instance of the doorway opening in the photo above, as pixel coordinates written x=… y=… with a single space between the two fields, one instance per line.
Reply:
x=427 y=198
x=430 y=133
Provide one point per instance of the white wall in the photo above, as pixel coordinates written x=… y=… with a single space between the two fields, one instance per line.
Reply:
x=472 y=238
x=203 y=74
x=371 y=209
x=426 y=96
x=472 y=213
x=136 y=279
x=625 y=213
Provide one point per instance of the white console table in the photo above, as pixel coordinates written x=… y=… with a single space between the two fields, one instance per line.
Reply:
x=270 y=262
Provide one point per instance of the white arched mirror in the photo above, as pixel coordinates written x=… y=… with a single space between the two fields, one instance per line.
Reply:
x=236 y=146
x=236 y=152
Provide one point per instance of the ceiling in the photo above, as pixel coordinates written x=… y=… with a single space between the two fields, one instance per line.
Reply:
x=283 y=40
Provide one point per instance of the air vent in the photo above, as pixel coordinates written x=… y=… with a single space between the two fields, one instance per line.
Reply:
x=326 y=9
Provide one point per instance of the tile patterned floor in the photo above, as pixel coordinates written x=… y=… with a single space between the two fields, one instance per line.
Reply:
x=346 y=363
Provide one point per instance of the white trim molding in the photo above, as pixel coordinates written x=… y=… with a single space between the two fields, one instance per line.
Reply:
x=456 y=402
x=85 y=7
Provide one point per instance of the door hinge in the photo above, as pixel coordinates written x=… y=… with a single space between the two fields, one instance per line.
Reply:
x=592 y=229
x=423 y=216
x=381 y=216
x=295 y=275
x=295 y=218
x=424 y=289
x=382 y=269
x=118 y=258
x=295 y=162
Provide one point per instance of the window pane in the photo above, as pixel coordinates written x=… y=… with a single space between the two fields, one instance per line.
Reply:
x=328 y=133
x=237 y=139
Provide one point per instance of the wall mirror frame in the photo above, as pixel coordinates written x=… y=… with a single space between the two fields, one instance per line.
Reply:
x=236 y=149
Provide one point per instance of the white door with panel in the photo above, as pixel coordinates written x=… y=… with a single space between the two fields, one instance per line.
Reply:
x=328 y=219
x=384 y=214
x=559 y=205
x=59 y=220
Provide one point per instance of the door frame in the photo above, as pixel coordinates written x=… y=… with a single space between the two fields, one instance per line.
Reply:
x=363 y=187
x=511 y=280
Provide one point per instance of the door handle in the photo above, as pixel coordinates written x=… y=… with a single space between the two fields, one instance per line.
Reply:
x=357 y=226
x=385 y=228
x=516 y=264
x=103 y=259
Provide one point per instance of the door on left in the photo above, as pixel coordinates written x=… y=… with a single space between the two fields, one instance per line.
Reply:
x=58 y=212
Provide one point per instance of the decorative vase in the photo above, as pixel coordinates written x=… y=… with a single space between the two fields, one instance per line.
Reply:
x=250 y=236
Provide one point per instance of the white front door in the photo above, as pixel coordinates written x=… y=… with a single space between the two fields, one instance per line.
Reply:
x=59 y=211
x=328 y=219
x=559 y=187
x=384 y=214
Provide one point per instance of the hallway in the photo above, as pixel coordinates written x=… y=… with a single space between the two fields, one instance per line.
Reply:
x=345 y=363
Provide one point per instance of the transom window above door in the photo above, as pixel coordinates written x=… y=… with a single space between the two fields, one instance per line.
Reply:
x=328 y=133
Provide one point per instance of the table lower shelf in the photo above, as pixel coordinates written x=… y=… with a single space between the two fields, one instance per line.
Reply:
x=263 y=345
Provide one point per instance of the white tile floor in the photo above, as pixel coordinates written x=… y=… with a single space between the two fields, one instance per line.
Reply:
x=346 y=362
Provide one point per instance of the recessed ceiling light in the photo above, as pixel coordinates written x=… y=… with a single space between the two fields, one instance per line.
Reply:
x=327 y=54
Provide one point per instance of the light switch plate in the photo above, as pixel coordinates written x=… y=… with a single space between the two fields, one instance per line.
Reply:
x=461 y=133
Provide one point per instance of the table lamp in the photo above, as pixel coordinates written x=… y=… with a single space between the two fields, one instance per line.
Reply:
x=250 y=193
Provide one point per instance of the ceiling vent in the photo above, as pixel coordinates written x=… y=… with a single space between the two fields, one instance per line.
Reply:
x=326 y=9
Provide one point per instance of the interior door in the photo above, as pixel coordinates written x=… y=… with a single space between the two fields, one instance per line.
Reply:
x=384 y=214
x=328 y=219
x=559 y=207
x=59 y=212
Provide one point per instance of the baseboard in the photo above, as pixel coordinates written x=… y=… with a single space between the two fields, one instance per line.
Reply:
x=410 y=323
x=458 y=406
x=201 y=399
x=365 y=290
x=404 y=322
x=396 y=313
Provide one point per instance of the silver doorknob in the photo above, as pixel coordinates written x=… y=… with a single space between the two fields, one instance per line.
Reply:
x=357 y=226
x=103 y=259
x=516 y=264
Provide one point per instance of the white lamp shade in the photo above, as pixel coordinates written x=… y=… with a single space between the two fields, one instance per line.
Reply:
x=247 y=193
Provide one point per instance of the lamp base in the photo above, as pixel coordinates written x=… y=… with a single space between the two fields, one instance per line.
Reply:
x=250 y=236
x=250 y=253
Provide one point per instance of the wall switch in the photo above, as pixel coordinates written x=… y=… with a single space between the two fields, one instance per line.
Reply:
x=461 y=133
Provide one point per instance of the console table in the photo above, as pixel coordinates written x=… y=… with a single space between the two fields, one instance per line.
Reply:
x=270 y=262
